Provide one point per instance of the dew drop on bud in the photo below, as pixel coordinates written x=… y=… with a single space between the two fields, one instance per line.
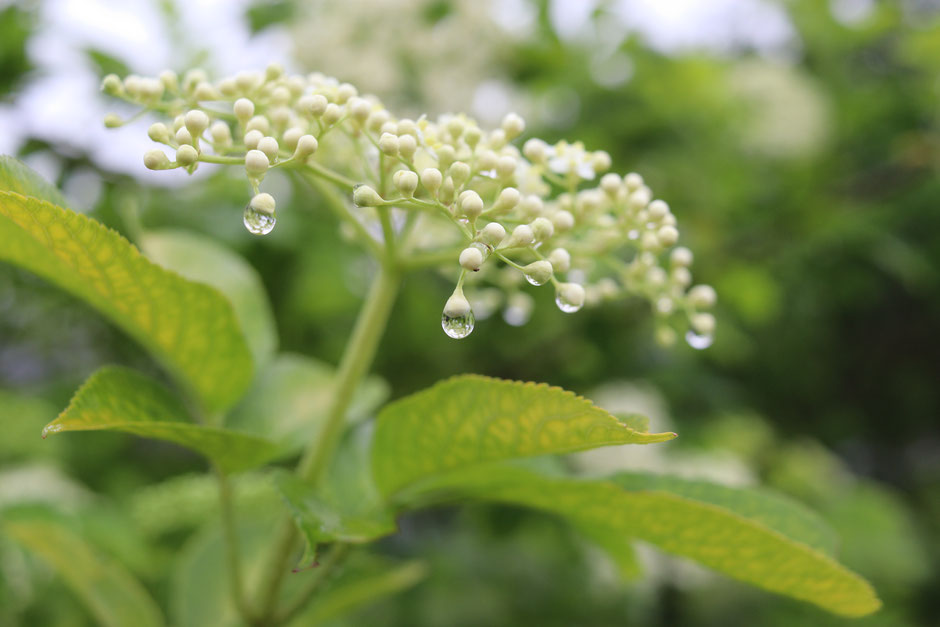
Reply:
x=259 y=222
x=698 y=342
x=535 y=279
x=457 y=327
x=569 y=297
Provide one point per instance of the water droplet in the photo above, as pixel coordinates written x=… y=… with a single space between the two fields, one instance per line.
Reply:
x=457 y=327
x=698 y=342
x=258 y=222
x=535 y=280
x=569 y=297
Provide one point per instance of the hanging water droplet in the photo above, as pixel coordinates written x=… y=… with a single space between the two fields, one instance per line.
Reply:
x=259 y=222
x=457 y=327
x=535 y=279
x=569 y=297
x=698 y=342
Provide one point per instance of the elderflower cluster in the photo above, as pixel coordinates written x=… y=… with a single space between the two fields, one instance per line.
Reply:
x=444 y=192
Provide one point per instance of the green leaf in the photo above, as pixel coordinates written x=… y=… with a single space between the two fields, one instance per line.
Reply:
x=111 y=593
x=746 y=537
x=345 y=506
x=200 y=259
x=189 y=327
x=471 y=419
x=290 y=398
x=118 y=399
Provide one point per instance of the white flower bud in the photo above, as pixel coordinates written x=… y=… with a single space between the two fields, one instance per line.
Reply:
x=460 y=172
x=639 y=199
x=570 y=297
x=406 y=181
x=259 y=123
x=455 y=127
x=681 y=276
x=538 y=272
x=388 y=144
x=359 y=109
x=471 y=204
x=531 y=206
x=633 y=181
x=113 y=120
x=407 y=146
x=263 y=203
x=183 y=136
x=702 y=296
x=252 y=138
x=472 y=136
x=536 y=150
x=507 y=199
x=610 y=183
x=542 y=228
x=431 y=178
x=268 y=145
x=112 y=85
x=600 y=161
x=506 y=166
x=186 y=155
x=656 y=276
x=132 y=85
x=178 y=123
x=513 y=125
x=228 y=87
x=522 y=235
x=205 y=91
x=406 y=127
x=471 y=258
x=247 y=81
x=377 y=119
x=703 y=323
x=681 y=257
x=256 y=163
x=345 y=92
x=243 y=109
x=657 y=210
x=156 y=160
x=280 y=96
x=497 y=138
x=668 y=235
x=196 y=122
x=314 y=105
x=649 y=241
x=220 y=133
x=560 y=259
x=365 y=196
x=170 y=80
x=274 y=71
x=457 y=306
x=445 y=156
x=291 y=136
x=306 y=146
x=563 y=220
x=492 y=234
x=158 y=132
x=446 y=193
x=333 y=114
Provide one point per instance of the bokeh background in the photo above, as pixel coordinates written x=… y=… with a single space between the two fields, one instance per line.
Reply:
x=798 y=143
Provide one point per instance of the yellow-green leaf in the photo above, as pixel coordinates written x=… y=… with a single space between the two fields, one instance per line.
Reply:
x=118 y=399
x=747 y=538
x=111 y=593
x=198 y=258
x=189 y=327
x=471 y=420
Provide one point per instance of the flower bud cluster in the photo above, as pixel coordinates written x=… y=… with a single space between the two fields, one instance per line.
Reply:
x=546 y=214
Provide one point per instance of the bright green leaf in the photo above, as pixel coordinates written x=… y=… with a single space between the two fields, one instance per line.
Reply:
x=16 y=176
x=290 y=398
x=189 y=327
x=200 y=259
x=745 y=537
x=111 y=593
x=118 y=399
x=471 y=419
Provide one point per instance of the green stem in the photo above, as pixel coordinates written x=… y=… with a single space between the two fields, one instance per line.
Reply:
x=356 y=360
x=232 y=553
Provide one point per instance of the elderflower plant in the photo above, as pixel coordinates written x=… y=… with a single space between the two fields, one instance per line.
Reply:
x=443 y=193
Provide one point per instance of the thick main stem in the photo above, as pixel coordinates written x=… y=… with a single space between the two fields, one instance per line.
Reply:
x=355 y=363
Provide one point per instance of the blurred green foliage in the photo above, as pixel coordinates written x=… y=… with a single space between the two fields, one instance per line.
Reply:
x=818 y=221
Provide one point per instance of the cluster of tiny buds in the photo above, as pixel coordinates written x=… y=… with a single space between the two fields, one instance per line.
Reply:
x=548 y=214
